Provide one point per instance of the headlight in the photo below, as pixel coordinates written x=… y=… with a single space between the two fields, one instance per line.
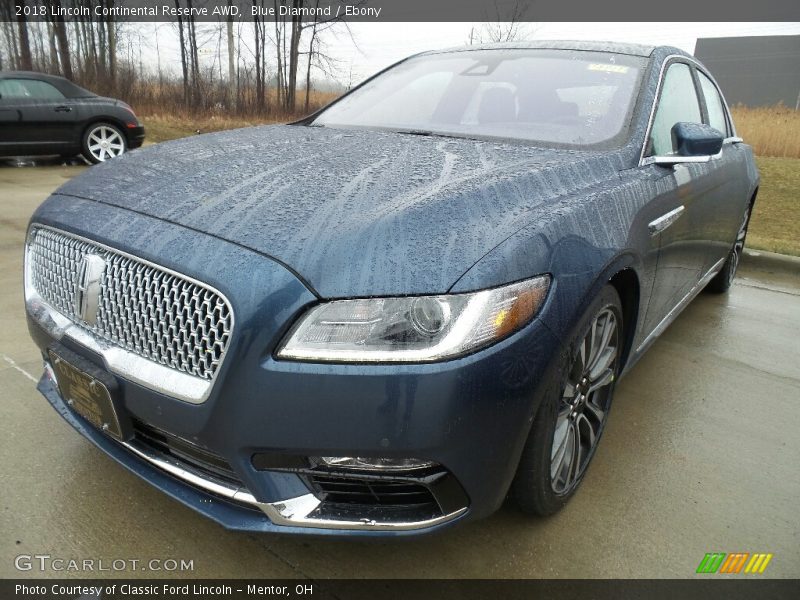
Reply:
x=413 y=329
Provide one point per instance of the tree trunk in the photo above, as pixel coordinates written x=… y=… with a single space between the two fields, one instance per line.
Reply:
x=53 y=65
x=232 y=95
x=310 y=60
x=111 y=28
x=280 y=32
x=25 y=59
x=259 y=30
x=40 y=56
x=63 y=43
x=194 y=62
x=184 y=66
x=8 y=34
x=294 y=57
x=92 y=50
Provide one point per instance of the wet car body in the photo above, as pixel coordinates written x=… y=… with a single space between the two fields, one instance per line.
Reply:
x=278 y=219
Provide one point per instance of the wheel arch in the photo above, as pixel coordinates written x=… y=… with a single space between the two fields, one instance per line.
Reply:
x=622 y=272
x=626 y=282
x=753 y=197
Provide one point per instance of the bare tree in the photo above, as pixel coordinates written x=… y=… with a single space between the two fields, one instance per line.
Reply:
x=25 y=59
x=504 y=25
x=184 y=64
x=111 y=34
x=232 y=92
x=60 y=31
x=7 y=28
x=51 y=37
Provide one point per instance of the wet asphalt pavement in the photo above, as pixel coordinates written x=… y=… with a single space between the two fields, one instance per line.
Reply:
x=700 y=455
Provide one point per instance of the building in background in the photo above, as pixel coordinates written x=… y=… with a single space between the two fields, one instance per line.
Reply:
x=755 y=71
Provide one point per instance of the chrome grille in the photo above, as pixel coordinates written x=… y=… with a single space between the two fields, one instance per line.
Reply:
x=154 y=313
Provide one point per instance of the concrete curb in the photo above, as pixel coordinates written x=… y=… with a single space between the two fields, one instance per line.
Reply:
x=770 y=261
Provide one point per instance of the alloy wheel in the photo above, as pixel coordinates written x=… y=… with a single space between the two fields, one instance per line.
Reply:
x=585 y=402
x=105 y=142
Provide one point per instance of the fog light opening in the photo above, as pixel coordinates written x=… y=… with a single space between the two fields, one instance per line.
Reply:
x=375 y=464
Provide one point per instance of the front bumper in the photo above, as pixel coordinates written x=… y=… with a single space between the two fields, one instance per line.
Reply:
x=135 y=136
x=470 y=415
x=231 y=506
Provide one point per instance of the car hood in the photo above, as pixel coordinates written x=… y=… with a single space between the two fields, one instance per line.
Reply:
x=352 y=212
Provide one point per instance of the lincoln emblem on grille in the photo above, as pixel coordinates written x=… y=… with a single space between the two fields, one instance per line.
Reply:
x=87 y=287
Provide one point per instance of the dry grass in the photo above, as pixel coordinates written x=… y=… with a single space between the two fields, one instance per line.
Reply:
x=161 y=127
x=775 y=223
x=167 y=121
x=771 y=131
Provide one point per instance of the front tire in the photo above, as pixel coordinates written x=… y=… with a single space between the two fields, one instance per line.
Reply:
x=572 y=417
x=103 y=141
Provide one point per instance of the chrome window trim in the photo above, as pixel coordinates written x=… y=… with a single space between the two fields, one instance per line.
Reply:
x=119 y=361
x=679 y=160
x=668 y=60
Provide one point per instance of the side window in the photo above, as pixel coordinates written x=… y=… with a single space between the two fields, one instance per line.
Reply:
x=716 y=110
x=678 y=103
x=12 y=88
x=29 y=88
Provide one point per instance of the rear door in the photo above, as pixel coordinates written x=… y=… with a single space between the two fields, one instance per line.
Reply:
x=729 y=202
x=680 y=214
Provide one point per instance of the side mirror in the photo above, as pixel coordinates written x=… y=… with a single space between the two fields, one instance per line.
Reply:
x=693 y=143
x=696 y=139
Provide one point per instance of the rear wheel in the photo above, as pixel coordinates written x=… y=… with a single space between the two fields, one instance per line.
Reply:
x=724 y=279
x=573 y=414
x=103 y=141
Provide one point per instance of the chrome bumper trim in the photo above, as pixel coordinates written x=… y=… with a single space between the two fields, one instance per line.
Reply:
x=119 y=361
x=293 y=512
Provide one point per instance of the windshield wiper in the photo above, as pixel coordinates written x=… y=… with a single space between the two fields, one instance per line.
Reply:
x=426 y=133
x=413 y=132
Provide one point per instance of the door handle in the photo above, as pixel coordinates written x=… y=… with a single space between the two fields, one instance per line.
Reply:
x=665 y=220
x=63 y=109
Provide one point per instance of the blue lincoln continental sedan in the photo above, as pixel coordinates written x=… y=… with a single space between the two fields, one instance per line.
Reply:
x=394 y=314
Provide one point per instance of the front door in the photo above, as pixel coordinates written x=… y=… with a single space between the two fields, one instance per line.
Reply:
x=681 y=215
x=35 y=117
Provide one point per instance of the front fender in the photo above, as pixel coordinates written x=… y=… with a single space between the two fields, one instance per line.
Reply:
x=580 y=247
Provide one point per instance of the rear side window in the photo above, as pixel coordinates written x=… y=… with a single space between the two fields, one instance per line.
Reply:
x=678 y=104
x=716 y=110
x=28 y=88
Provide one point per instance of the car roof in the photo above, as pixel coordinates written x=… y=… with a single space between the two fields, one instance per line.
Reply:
x=587 y=46
x=62 y=84
x=31 y=75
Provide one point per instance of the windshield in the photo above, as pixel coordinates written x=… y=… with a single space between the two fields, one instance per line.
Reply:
x=560 y=97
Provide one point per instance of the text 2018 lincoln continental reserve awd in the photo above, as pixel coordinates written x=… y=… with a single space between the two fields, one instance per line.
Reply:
x=390 y=316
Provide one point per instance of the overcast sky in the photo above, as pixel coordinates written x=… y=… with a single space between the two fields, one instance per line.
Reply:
x=381 y=44
x=378 y=45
